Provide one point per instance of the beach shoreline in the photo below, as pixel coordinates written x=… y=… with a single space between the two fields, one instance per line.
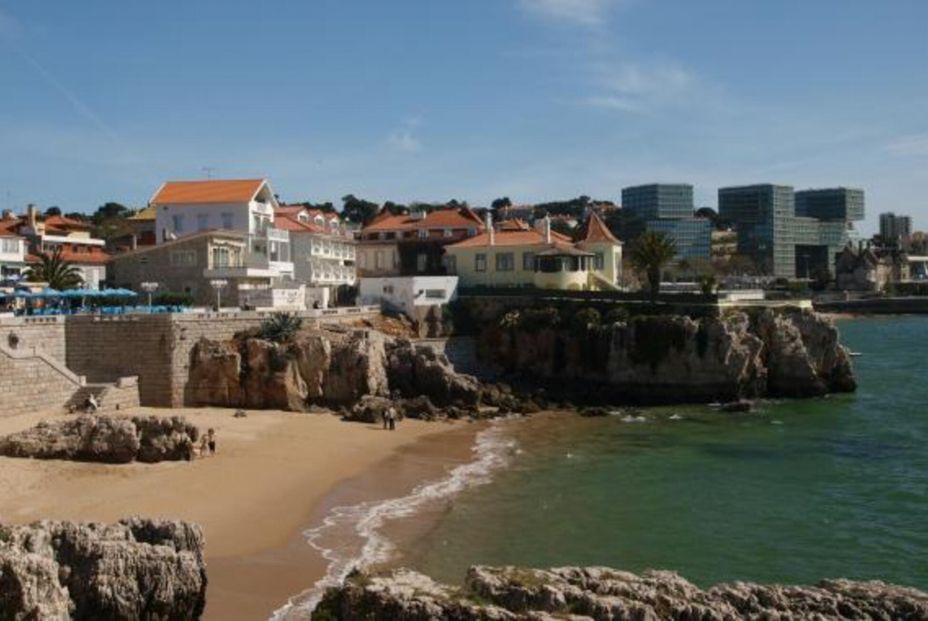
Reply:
x=275 y=475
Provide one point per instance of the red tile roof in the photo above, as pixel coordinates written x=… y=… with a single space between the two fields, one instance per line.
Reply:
x=208 y=191
x=96 y=257
x=597 y=231
x=511 y=238
x=63 y=223
x=463 y=218
x=291 y=223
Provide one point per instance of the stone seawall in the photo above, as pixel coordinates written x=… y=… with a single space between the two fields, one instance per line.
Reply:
x=31 y=381
x=44 y=333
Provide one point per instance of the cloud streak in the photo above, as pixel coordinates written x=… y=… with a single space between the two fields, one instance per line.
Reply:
x=587 y=13
x=911 y=145
x=405 y=139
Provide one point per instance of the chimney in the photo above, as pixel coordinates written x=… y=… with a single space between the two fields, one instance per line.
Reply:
x=488 y=222
x=547 y=225
x=32 y=214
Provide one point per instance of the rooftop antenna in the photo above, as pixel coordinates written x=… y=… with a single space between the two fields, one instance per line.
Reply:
x=209 y=171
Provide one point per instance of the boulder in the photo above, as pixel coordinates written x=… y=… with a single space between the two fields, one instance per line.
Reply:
x=273 y=380
x=215 y=374
x=105 y=439
x=102 y=439
x=357 y=368
x=134 y=569
x=369 y=409
x=415 y=370
x=603 y=594
x=165 y=439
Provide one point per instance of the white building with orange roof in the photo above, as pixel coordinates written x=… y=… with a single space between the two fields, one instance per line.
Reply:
x=514 y=254
x=413 y=244
x=243 y=205
x=323 y=249
x=46 y=235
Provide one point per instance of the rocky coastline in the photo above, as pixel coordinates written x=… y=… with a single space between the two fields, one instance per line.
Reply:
x=134 y=569
x=603 y=594
x=552 y=361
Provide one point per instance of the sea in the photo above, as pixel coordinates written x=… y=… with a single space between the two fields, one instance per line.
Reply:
x=796 y=491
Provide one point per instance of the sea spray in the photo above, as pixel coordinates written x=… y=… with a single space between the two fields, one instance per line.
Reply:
x=492 y=451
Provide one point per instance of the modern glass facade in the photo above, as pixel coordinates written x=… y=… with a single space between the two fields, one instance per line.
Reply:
x=667 y=208
x=693 y=236
x=659 y=200
x=831 y=204
x=781 y=240
x=894 y=227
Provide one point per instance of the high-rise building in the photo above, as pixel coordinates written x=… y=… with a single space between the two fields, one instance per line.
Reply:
x=894 y=227
x=791 y=234
x=666 y=208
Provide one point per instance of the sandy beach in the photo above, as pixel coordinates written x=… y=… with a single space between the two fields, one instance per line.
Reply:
x=275 y=474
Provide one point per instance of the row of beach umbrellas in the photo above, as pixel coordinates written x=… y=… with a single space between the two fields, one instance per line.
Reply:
x=48 y=292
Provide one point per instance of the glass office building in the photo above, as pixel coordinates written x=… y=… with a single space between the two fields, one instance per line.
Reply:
x=790 y=234
x=692 y=236
x=667 y=208
x=894 y=227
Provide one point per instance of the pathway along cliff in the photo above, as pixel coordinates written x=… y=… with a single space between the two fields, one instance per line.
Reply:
x=553 y=358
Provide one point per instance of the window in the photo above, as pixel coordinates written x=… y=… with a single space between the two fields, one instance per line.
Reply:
x=480 y=262
x=422 y=261
x=177 y=220
x=435 y=294
x=10 y=246
x=183 y=258
x=451 y=264
x=221 y=257
x=599 y=261
x=528 y=261
x=378 y=260
x=505 y=262
x=362 y=260
x=447 y=233
x=227 y=221
x=202 y=221
x=423 y=233
x=471 y=232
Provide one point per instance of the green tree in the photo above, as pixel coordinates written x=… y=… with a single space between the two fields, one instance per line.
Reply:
x=358 y=210
x=649 y=254
x=56 y=271
x=53 y=211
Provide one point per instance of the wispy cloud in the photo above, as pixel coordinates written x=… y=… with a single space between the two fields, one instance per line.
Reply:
x=404 y=138
x=581 y=12
x=635 y=86
x=913 y=144
x=9 y=25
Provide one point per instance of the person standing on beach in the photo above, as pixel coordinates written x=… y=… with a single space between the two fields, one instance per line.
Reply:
x=384 y=416
x=211 y=441
x=391 y=418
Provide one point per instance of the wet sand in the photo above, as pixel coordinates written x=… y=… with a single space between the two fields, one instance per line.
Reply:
x=275 y=474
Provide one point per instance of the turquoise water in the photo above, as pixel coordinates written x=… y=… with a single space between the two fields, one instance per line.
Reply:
x=799 y=491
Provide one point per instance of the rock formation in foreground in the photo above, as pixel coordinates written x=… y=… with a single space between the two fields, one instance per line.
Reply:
x=105 y=439
x=511 y=594
x=134 y=569
x=672 y=358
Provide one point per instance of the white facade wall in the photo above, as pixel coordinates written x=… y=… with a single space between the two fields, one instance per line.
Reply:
x=320 y=260
x=93 y=275
x=12 y=255
x=210 y=215
x=405 y=293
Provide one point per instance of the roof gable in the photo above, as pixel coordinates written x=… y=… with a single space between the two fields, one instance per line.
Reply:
x=597 y=231
x=208 y=191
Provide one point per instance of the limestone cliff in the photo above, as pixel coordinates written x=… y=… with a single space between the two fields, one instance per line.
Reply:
x=134 y=569
x=323 y=368
x=673 y=358
x=601 y=594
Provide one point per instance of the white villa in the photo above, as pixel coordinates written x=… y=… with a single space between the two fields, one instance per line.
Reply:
x=323 y=249
x=243 y=205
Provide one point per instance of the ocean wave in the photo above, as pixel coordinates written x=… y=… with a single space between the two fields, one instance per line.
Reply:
x=492 y=451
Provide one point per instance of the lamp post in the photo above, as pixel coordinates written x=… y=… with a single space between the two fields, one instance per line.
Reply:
x=149 y=288
x=219 y=284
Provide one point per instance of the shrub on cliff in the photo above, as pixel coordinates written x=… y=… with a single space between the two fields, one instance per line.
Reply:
x=280 y=327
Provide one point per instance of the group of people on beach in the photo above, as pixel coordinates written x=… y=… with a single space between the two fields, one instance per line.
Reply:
x=207 y=446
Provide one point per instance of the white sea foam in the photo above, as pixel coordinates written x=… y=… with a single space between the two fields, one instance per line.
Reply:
x=492 y=451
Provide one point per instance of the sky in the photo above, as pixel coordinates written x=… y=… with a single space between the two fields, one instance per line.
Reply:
x=428 y=100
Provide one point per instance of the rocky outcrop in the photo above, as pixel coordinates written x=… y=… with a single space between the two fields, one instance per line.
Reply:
x=134 y=569
x=105 y=439
x=673 y=358
x=330 y=369
x=601 y=594
x=419 y=370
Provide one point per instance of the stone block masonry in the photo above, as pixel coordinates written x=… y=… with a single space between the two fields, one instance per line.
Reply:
x=43 y=333
x=33 y=382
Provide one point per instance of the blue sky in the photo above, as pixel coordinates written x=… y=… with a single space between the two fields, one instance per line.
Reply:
x=433 y=99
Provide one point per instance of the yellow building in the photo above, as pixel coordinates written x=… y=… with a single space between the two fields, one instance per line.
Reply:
x=512 y=254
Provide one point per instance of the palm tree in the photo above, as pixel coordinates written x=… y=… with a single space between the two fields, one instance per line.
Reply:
x=649 y=254
x=56 y=271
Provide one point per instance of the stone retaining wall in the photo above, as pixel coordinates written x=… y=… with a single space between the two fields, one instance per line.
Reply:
x=31 y=382
x=44 y=333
